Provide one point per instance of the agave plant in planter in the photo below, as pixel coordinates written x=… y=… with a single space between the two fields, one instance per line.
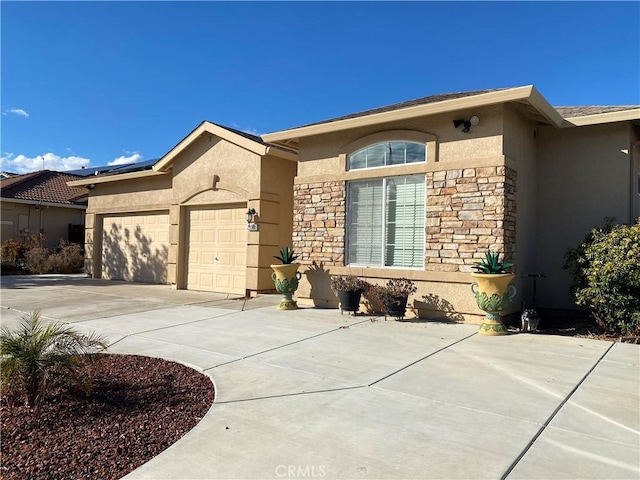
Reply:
x=349 y=289
x=286 y=278
x=395 y=294
x=493 y=291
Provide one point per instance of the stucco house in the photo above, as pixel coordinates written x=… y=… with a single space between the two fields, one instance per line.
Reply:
x=42 y=202
x=181 y=221
x=422 y=189
x=419 y=189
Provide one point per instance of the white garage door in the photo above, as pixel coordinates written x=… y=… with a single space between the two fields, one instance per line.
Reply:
x=136 y=247
x=217 y=250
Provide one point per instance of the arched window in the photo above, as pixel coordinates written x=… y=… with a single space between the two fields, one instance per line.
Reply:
x=387 y=153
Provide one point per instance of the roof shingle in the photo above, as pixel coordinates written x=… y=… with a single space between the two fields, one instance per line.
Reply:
x=568 y=112
x=43 y=186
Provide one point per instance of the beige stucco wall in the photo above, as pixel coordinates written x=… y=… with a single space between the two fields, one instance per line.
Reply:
x=583 y=177
x=54 y=221
x=237 y=171
x=520 y=148
x=320 y=154
x=125 y=196
x=274 y=209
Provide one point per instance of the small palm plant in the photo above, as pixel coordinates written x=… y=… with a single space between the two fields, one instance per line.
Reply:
x=35 y=354
x=287 y=255
x=491 y=264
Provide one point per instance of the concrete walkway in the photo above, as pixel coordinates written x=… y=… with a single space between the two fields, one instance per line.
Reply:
x=313 y=394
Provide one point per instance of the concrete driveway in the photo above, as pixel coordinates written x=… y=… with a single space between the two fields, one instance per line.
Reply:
x=314 y=394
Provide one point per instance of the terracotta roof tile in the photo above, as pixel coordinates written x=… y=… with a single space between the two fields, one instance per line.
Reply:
x=45 y=186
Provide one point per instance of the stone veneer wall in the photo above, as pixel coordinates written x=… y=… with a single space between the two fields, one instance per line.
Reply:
x=318 y=222
x=469 y=211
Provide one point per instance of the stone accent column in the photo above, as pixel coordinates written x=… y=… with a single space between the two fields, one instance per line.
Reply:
x=468 y=212
x=319 y=222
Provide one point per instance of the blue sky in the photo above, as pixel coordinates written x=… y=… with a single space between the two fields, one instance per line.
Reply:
x=93 y=83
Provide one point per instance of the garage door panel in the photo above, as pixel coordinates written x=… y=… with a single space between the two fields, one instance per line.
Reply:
x=217 y=245
x=135 y=247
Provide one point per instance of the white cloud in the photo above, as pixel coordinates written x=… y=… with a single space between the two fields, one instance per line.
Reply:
x=249 y=130
x=17 y=111
x=133 y=158
x=23 y=164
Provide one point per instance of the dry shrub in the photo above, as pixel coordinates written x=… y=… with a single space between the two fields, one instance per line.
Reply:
x=68 y=258
x=37 y=260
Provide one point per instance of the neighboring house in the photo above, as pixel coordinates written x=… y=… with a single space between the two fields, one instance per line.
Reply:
x=42 y=202
x=180 y=220
x=419 y=189
x=422 y=189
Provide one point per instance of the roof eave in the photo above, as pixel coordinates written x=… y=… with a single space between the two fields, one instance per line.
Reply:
x=44 y=203
x=113 y=178
x=599 y=118
x=527 y=93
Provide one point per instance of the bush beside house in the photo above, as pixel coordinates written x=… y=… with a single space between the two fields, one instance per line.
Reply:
x=606 y=276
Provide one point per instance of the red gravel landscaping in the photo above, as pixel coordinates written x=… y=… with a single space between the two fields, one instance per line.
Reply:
x=138 y=407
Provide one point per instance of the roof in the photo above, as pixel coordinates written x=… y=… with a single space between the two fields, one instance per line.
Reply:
x=131 y=167
x=85 y=172
x=526 y=98
x=408 y=103
x=43 y=186
x=569 y=112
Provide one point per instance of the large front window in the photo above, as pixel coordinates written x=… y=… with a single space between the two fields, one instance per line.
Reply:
x=385 y=221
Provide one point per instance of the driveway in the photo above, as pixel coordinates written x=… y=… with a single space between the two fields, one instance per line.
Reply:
x=315 y=394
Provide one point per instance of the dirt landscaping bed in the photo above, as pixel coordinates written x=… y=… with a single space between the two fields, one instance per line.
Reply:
x=138 y=407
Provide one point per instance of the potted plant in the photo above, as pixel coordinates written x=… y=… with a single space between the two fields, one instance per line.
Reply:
x=395 y=295
x=349 y=289
x=493 y=291
x=286 y=278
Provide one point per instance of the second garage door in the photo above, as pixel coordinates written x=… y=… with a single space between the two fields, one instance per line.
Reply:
x=217 y=250
x=135 y=247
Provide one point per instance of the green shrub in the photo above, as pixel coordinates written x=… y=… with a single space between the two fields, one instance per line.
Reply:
x=606 y=276
x=36 y=355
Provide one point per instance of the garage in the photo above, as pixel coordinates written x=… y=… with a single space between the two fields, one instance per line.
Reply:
x=180 y=220
x=217 y=249
x=135 y=247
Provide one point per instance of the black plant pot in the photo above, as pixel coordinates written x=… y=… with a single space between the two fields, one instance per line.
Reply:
x=396 y=307
x=349 y=300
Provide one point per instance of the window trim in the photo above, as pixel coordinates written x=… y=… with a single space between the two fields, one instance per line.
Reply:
x=383 y=247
